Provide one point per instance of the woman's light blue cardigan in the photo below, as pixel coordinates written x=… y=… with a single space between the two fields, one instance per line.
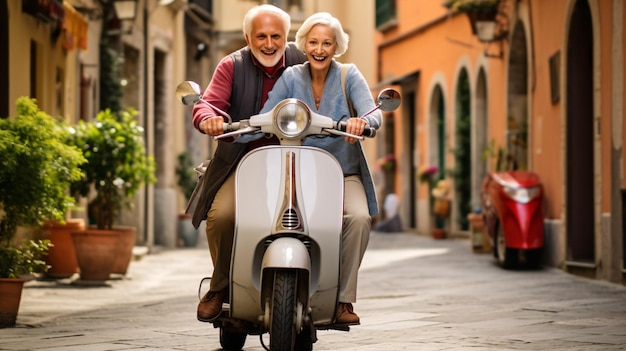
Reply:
x=295 y=82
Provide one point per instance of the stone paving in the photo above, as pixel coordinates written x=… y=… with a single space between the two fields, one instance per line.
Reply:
x=415 y=293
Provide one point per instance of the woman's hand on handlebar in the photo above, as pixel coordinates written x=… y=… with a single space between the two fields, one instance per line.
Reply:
x=355 y=126
x=213 y=126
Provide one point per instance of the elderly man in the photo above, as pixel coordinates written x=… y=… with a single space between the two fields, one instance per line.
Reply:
x=240 y=85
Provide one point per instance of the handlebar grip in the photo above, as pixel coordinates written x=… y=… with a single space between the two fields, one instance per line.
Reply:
x=369 y=132
x=229 y=127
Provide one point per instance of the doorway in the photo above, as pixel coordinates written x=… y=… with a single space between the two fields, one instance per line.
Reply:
x=517 y=108
x=580 y=192
x=480 y=132
x=462 y=172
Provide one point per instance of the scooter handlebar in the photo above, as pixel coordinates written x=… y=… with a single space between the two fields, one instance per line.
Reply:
x=369 y=132
x=229 y=127
x=242 y=127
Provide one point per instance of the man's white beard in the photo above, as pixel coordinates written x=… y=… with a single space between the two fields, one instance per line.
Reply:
x=265 y=60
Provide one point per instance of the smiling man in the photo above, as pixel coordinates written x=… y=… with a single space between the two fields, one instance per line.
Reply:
x=240 y=85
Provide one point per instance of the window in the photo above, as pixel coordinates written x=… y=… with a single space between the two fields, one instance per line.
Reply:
x=385 y=14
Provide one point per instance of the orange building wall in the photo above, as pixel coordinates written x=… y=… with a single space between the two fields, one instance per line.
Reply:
x=441 y=49
x=547 y=119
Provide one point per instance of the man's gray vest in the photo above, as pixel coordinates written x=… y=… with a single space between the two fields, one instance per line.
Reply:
x=245 y=102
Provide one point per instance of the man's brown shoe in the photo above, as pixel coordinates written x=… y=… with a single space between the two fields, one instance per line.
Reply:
x=210 y=305
x=345 y=315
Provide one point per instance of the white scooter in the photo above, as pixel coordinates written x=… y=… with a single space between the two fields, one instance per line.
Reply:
x=284 y=277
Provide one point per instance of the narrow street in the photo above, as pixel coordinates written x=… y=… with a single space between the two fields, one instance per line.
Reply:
x=415 y=293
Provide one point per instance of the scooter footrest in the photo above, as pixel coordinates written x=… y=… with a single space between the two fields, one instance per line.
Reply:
x=340 y=327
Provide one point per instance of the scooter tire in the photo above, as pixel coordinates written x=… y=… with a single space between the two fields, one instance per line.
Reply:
x=282 y=329
x=507 y=257
x=232 y=341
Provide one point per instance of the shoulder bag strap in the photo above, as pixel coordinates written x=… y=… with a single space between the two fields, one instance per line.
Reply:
x=344 y=72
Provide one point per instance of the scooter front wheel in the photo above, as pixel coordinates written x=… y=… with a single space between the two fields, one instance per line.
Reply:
x=283 y=327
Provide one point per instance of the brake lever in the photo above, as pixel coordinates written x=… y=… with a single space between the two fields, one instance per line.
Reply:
x=338 y=132
x=247 y=129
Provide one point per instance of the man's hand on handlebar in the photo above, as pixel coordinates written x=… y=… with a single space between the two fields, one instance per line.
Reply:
x=213 y=126
x=355 y=126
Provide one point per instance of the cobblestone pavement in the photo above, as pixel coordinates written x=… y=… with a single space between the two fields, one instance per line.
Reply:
x=415 y=293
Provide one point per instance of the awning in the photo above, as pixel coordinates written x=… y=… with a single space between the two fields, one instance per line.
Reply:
x=75 y=28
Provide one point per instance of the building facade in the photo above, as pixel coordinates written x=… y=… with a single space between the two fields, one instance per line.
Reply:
x=544 y=90
x=50 y=50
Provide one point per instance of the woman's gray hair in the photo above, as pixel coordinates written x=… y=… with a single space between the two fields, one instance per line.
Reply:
x=266 y=9
x=326 y=19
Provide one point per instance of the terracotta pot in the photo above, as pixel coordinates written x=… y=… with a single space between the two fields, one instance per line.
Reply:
x=96 y=252
x=62 y=256
x=124 y=252
x=10 y=296
x=439 y=233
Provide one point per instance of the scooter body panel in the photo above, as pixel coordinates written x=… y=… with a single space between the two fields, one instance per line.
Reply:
x=522 y=222
x=294 y=192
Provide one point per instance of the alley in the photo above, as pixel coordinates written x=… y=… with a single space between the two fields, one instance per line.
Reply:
x=415 y=293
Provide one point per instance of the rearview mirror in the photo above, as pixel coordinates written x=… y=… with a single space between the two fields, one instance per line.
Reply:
x=188 y=92
x=388 y=100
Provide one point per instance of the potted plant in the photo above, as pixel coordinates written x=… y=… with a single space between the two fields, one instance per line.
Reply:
x=387 y=163
x=117 y=167
x=36 y=170
x=187 y=180
x=438 y=200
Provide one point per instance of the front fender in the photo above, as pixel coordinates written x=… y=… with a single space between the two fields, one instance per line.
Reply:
x=286 y=253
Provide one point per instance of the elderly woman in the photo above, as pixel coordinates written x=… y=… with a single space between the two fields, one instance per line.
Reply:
x=318 y=83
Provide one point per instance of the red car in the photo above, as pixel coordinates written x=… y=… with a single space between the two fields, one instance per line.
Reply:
x=512 y=203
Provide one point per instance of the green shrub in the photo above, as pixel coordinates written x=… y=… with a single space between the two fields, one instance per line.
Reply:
x=37 y=168
x=117 y=165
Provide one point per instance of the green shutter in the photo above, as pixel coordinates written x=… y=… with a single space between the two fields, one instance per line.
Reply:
x=385 y=12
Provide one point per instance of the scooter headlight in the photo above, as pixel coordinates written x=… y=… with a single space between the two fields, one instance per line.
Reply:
x=522 y=195
x=292 y=117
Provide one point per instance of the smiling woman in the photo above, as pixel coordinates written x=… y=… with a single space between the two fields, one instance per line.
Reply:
x=319 y=83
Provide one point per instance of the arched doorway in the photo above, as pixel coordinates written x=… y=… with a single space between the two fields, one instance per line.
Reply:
x=437 y=142
x=579 y=138
x=480 y=133
x=462 y=172
x=517 y=118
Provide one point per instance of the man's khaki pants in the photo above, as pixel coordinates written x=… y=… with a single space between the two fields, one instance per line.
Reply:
x=220 y=227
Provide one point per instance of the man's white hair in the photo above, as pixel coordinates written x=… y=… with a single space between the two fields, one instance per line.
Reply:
x=265 y=9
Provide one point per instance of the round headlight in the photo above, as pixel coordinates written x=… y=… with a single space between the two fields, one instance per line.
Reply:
x=292 y=117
